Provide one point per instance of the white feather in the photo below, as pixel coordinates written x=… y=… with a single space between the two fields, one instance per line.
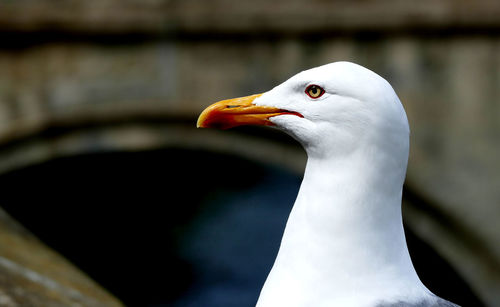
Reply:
x=344 y=243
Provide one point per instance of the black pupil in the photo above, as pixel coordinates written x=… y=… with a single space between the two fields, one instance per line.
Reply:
x=314 y=90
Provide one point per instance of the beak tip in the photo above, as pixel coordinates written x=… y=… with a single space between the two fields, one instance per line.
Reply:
x=223 y=114
x=200 y=123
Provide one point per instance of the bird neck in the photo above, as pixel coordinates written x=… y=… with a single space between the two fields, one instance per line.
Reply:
x=345 y=234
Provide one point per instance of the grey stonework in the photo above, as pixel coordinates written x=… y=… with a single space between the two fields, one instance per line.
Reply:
x=80 y=69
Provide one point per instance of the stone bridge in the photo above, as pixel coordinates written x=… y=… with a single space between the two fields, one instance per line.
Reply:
x=91 y=77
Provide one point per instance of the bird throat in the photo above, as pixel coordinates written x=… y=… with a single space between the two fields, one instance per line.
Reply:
x=344 y=234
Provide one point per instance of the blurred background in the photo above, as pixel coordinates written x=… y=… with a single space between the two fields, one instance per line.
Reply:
x=111 y=196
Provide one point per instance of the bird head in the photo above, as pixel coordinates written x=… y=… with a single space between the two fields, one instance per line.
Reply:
x=333 y=109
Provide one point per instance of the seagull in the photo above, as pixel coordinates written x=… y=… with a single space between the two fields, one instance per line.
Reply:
x=344 y=243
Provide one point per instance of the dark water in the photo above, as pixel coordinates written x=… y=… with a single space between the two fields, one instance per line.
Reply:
x=175 y=227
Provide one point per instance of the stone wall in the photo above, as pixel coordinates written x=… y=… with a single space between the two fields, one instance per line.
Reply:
x=33 y=275
x=94 y=76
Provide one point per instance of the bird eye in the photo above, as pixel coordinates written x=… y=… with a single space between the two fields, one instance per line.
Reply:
x=314 y=91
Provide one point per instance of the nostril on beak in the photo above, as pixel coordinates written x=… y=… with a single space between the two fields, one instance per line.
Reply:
x=232 y=107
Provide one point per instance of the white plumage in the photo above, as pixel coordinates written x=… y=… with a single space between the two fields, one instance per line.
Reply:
x=344 y=242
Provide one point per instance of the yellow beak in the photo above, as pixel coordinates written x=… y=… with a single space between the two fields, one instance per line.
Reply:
x=234 y=112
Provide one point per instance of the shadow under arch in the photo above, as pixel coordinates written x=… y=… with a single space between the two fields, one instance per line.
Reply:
x=176 y=226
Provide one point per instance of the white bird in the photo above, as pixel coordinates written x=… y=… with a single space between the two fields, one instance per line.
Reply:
x=344 y=243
